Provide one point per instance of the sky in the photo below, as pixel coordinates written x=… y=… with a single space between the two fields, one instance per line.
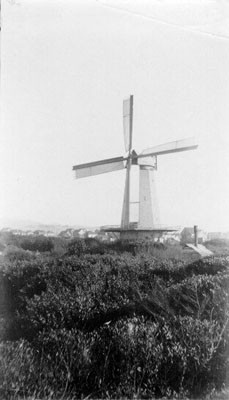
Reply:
x=66 y=67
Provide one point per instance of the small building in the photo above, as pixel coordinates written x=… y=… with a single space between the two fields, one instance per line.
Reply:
x=17 y=232
x=28 y=233
x=187 y=235
x=49 y=234
x=67 y=233
x=80 y=233
x=39 y=232
x=7 y=229
x=92 y=234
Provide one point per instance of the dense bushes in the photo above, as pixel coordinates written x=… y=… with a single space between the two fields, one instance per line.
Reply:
x=13 y=253
x=125 y=358
x=14 y=243
x=113 y=325
x=18 y=369
x=38 y=243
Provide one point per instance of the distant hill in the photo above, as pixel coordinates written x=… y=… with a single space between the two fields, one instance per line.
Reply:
x=28 y=225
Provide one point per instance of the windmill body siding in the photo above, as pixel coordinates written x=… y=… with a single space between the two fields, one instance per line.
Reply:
x=148 y=207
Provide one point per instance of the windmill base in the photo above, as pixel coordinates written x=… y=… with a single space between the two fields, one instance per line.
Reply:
x=139 y=234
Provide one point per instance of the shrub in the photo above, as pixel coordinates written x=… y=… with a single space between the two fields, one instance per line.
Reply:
x=19 y=281
x=59 y=246
x=18 y=370
x=76 y=247
x=218 y=246
x=64 y=355
x=13 y=253
x=203 y=297
x=38 y=243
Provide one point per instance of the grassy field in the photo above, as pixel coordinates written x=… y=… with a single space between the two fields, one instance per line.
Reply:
x=80 y=319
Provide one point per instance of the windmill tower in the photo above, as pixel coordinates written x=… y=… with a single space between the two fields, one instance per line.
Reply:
x=148 y=223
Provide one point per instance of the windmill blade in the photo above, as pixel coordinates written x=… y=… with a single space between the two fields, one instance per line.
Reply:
x=171 y=147
x=98 y=167
x=128 y=122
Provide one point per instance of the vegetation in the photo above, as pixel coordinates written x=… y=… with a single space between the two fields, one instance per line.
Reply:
x=98 y=321
x=218 y=246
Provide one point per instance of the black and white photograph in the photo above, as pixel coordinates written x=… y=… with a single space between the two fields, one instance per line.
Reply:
x=114 y=203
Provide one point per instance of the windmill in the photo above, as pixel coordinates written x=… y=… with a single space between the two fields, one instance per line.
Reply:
x=148 y=220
